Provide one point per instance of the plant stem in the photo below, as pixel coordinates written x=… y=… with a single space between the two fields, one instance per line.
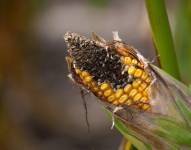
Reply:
x=162 y=36
x=183 y=39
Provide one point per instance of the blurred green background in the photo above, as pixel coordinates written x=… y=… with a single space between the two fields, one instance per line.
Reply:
x=40 y=108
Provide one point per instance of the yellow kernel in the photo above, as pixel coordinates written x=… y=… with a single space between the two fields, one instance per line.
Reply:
x=85 y=82
x=123 y=98
x=93 y=84
x=142 y=87
x=127 y=60
x=88 y=84
x=104 y=86
x=136 y=83
x=78 y=71
x=118 y=93
x=128 y=102
x=144 y=76
x=138 y=73
x=148 y=80
x=146 y=107
x=95 y=89
x=134 y=61
x=85 y=73
x=137 y=97
x=115 y=102
x=88 y=79
x=140 y=105
x=111 y=98
x=99 y=93
x=127 y=88
x=144 y=99
x=131 y=70
x=133 y=92
x=108 y=92
x=147 y=91
x=141 y=65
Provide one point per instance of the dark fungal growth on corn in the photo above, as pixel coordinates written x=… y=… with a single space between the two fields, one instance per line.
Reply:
x=113 y=71
x=103 y=63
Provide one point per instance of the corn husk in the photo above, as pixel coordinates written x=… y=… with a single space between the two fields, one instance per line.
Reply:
x=167 y=126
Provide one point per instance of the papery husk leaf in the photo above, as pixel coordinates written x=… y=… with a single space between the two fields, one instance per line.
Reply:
x=174 y=132
x=167 y=126
x=129 y=134
x=179 y=97
x=142 y=125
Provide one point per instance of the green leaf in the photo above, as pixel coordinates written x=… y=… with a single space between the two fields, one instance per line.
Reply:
x=124 y=130
x=99 y=3
x=171 y=130
x=183 y=38
x=162 y=36
x=127 y=134
x=185 y=110
x=189 y=87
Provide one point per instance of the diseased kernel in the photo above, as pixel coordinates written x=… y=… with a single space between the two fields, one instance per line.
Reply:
x=88 y=79
x=115 y=102
x=133 y=92
x=134 y=62
x=123 y=98
x=108 y=92
x=118 y=93
x=104 y=86
x=144 y=76
x=138 y=73
x=131 y=70
x=127 y=60
x=111 y=98
x=137 y=97
x=78 y=71
x=127 y=88
x=136 y=83
x=144 y=99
